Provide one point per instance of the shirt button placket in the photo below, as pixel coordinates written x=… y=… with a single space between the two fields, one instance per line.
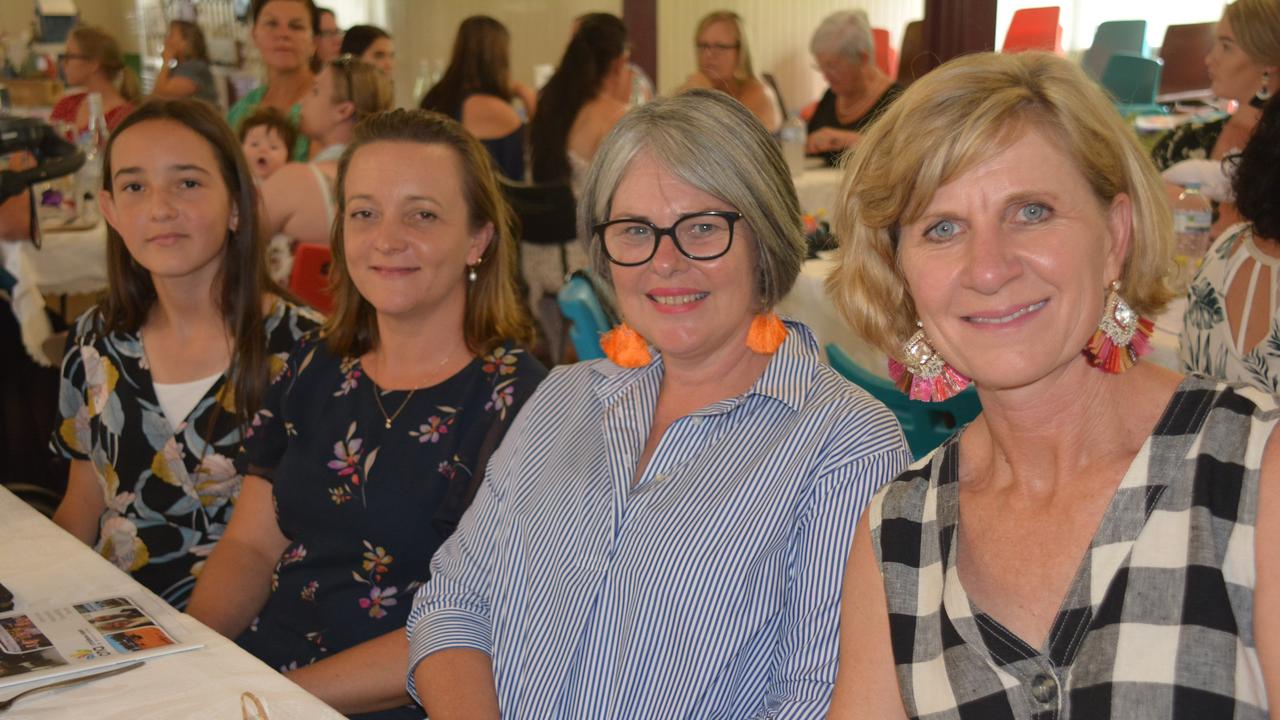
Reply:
x=1044 y=689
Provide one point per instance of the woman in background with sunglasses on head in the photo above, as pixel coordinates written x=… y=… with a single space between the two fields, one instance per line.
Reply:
x=299 y=197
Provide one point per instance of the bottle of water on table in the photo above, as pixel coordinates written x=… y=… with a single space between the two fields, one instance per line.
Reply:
x=89 y=177
x=793 y=137
x=1192 y=219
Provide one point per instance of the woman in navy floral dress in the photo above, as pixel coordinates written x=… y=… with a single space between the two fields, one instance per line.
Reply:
x=161 y=380
x=374 y=439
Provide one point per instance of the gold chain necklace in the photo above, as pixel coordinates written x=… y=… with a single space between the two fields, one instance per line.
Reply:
x=392 y=417
x=378 y=399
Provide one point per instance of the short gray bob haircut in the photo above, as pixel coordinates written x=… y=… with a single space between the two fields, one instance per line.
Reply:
x=846 y=33
x=712 y=142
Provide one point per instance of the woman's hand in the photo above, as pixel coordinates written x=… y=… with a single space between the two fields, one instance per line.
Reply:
x=829 y=139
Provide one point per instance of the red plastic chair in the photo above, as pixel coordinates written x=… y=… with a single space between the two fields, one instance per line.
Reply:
x=886 y=57
x=1034 y=29
x=309 y=279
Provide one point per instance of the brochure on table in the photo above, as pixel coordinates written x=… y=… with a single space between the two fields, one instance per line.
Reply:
x=39 y=643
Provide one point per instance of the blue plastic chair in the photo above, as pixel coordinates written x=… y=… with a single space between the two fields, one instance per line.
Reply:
x=926 y=425
x=1111 y=37
x=1133 y=81
x=580 y=304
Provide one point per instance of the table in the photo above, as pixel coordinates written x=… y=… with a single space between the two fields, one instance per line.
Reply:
x=68 y=262
x=817 y=187
x=808 y=302
x=43 y=564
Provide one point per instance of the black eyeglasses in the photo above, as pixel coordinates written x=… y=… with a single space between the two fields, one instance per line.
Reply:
x=698 y=236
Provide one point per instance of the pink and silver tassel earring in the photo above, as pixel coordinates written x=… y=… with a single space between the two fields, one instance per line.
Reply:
x=925 y=375
x=1122 y=336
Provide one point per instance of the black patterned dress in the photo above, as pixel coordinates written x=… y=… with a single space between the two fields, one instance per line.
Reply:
x=365 y=506
x=169 y=493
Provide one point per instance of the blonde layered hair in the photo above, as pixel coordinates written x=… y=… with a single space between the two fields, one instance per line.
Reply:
x=1256 y=25
x=953 y=119
x=742 y=71
x=361 y=84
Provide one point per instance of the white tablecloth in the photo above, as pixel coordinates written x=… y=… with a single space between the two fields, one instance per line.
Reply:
x=808 y=302
x=40 y=564
x=817 y=188
x=66 y=262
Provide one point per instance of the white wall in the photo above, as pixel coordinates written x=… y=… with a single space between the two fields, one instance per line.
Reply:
x=778 y=33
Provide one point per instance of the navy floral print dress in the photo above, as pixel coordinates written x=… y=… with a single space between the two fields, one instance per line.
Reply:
x=365 y=506
x=169 y=493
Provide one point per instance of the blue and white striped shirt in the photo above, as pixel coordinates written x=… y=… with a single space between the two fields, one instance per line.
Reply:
x=709 y=589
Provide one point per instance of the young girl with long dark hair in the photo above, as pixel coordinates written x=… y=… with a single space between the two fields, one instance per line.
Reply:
x=161 y=380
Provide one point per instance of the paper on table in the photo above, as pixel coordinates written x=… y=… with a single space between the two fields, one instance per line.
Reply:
x=41 y=643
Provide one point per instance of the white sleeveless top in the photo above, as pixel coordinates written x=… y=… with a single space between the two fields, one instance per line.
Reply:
x=1213 y=341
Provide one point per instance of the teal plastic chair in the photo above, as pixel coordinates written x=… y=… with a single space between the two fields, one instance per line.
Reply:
x=580 y=304
x=1112 y=37
x=926 y=425
x=1133 y=81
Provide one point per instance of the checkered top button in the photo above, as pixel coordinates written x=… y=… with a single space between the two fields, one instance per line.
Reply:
x=1044 y=688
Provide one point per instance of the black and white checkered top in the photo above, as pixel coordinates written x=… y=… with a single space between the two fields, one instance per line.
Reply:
x=1158 y=621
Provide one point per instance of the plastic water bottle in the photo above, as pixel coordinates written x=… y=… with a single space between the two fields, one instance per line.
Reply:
x=793 y=139
x=89 y=177
x=1192 y=219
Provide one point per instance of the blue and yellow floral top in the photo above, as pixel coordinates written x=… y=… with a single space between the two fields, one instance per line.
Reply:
x=365 y=505
x=169 y=493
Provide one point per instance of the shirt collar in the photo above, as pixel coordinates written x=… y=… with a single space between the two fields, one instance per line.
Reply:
x=786 y=378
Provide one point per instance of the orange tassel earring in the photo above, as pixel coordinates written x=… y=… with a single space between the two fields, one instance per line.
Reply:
x=625 y=347
x=766 y=334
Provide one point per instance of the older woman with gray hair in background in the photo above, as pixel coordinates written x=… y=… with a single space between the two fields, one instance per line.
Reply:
x=844 y=51
x=660 y=534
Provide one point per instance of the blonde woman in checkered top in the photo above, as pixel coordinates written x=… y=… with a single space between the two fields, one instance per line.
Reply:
x=1085 y=548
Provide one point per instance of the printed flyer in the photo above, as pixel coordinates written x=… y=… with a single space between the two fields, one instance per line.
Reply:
x=40 y=643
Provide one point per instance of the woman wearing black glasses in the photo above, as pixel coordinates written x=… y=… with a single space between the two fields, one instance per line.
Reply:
x=93 y=61
x=299 y=197
x=662 y=533
x=724 y=63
